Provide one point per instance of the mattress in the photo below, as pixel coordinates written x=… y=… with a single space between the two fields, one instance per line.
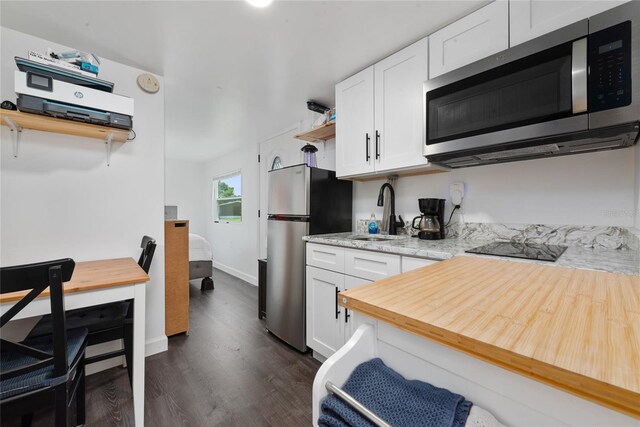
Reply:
x=199 y=248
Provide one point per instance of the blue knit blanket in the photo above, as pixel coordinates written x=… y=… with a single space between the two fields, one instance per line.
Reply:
x=400 y=402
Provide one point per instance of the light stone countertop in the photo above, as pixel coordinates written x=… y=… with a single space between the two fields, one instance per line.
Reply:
x=611 y=260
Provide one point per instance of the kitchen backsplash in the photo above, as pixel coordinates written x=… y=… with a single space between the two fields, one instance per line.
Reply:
x=569 y=235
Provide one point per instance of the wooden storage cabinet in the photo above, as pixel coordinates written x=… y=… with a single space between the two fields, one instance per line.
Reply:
x=176 y=272
x=529 y=19
x=476 y=36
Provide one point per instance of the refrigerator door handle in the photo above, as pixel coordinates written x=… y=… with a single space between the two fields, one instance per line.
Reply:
x=337 y=306
x=289 y=218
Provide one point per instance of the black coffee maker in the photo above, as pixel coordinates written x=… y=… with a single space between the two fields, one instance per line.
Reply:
x=431 y=223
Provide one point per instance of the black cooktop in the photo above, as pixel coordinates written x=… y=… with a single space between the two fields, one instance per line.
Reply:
x=535 y=251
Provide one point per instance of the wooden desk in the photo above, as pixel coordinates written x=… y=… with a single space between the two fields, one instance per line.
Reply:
x=95 y=283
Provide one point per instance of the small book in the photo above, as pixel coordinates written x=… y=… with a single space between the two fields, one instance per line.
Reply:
x=46 y=60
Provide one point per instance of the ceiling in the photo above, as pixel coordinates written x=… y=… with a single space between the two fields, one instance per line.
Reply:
x=234 y=75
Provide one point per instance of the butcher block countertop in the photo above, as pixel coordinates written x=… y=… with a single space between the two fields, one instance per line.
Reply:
x=576 y=330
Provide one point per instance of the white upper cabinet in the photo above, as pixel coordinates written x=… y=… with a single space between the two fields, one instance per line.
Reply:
x=354 y=124
x=387 y=120
x=476 y=36
x=532 y=18
x=398 y=108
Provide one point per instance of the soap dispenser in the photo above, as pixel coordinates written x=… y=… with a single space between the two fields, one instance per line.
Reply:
x=373 y=225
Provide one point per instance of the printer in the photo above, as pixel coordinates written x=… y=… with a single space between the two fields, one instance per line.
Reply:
x=40 y=93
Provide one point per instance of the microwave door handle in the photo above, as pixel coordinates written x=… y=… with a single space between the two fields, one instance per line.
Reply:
x=579 y=76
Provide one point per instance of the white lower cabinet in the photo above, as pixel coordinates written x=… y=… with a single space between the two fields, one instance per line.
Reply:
x=331 y=270
x=370 y=265
x=411 y=263
x=329 y=326
x=325 y=256
x=352 y=321
x=325 y=323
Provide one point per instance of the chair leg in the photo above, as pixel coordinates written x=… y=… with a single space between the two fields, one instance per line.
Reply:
x=80 y=398
x=61 y=405
x=26 y=420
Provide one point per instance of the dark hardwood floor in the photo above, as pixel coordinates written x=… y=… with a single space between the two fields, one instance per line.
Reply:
x=228 y=372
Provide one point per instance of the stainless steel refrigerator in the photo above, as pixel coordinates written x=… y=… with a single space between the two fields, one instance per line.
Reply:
x=301 y=201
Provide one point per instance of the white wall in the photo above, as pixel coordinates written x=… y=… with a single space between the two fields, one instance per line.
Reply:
x=235 y=248
x=59 y=199
x=185 y=187
x=585 y=189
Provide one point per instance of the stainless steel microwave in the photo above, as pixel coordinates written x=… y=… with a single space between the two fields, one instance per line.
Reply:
x=571 y=91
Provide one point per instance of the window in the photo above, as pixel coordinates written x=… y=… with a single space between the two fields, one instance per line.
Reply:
x=227 y=198
x=277 y=163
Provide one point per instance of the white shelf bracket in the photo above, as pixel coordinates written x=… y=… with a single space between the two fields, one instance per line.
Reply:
x=16 y=132
x=108 y=143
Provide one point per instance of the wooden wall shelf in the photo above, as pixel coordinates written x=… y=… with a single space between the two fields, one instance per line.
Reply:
x=319 y=134
x=68 y=127
x=18 y=121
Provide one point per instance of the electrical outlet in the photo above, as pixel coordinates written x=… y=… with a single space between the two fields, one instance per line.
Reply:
x=456 y=192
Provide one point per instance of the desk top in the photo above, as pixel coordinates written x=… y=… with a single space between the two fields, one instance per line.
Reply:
x=576 y=330
x=90 y=275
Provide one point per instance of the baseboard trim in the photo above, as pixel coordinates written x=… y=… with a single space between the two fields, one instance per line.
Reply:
x=102 y=348
x=237 y=273
x=153 y=346
x=156 y=345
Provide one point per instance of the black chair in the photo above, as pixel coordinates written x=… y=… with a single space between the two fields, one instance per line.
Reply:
x=47 y=371
x=106 y=322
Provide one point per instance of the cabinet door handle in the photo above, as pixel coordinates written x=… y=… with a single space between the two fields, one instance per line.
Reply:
x=346 y=314
x=377 y=145
x=367 y=139
x=337 y=309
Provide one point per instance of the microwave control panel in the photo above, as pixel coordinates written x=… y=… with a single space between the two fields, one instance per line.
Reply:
x=610 y=68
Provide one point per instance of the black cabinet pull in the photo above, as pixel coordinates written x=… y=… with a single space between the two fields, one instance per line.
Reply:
x=337 y=309
x=367 y=139
x=346 y=315
x=377 y=145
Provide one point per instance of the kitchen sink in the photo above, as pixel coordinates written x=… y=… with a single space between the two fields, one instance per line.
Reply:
x=372 y=238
